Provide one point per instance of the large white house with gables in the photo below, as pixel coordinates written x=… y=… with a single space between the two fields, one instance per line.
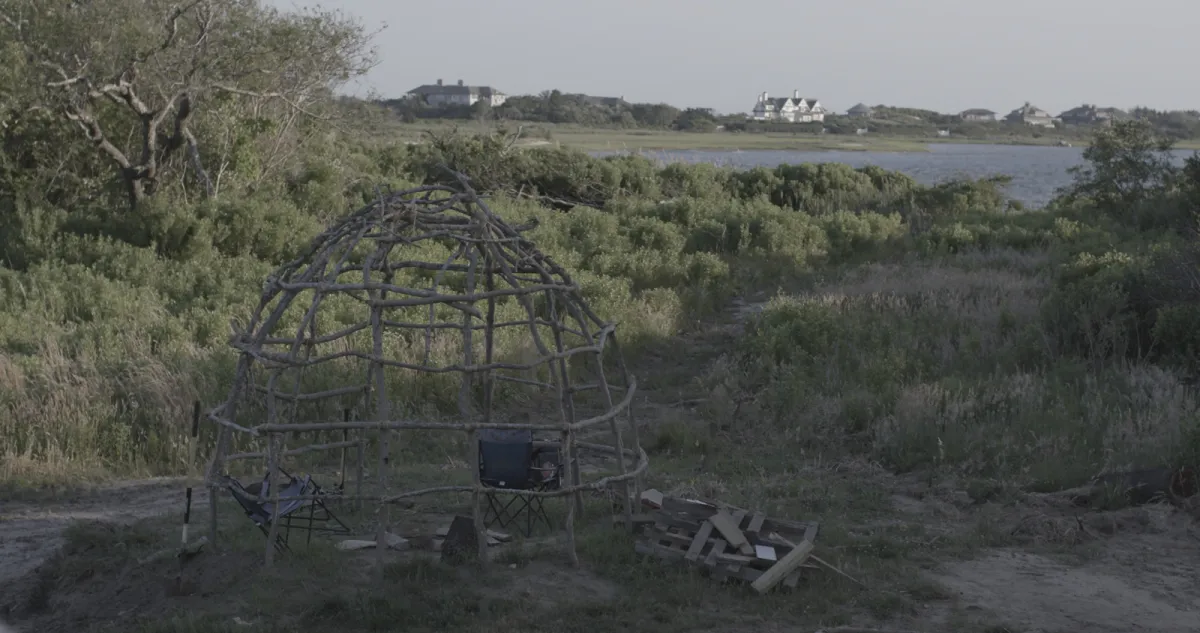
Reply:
x=461 y=95
x=793 y=109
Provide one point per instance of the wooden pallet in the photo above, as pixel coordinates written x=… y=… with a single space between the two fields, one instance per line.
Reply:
x=683 y=532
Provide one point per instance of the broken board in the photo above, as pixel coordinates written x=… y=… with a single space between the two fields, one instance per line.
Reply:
x=697 y=535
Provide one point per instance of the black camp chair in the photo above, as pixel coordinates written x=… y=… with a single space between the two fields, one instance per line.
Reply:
x=508 y=461
x=291 y=512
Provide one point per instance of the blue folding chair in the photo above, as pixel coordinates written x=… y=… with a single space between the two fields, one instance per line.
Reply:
x=289 y=514
x=509 y=461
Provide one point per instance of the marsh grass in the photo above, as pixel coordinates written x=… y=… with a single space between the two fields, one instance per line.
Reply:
x=941 y=366
x=628 y=140
x=104 y=346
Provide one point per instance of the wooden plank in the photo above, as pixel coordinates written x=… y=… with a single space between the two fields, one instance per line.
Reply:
x=678 y=519
x=717 y=571
x=734 y=562
x=756 y=523
x=652 y=498
x=639 y=520
x=792 y=580
x=810 y=533
x=781 y=569
x=700 y=541
x=784 y=526
x=658 y=551
x=736 y=558
x=738 y=517
x=670 y=539
x=728 y=529
x=697 y=510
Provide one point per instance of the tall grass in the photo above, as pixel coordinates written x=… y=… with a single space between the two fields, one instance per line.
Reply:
x=108 y=332
x=950 y=365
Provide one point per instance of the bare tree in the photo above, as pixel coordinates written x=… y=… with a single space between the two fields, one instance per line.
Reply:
x=136 y=77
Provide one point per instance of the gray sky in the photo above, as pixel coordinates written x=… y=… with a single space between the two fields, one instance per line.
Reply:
x=945 y=55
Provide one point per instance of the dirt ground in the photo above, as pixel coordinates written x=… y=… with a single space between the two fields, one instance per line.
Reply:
x=1134 y=569
x=1128 y=570
x=30 y=533
x=1061 y=569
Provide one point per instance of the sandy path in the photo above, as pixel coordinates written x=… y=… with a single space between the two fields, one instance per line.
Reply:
x=31 y=532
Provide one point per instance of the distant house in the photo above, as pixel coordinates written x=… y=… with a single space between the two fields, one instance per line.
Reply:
x=441 y=94
x=977 y=115
x=1091 y=115
x=793 y=109
x=861 y=110
x=1029 y=114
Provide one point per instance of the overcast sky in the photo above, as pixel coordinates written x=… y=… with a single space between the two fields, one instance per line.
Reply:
x=946 y=55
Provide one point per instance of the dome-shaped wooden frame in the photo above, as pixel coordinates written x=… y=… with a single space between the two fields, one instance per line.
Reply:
x=360 y=258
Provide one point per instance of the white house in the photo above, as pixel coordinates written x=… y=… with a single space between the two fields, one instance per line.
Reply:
x=440 y=94
x=793 y=109
x=1030 y=115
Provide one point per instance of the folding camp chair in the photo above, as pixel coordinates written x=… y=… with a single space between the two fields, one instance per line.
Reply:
x=290 y=512
x=508 y=461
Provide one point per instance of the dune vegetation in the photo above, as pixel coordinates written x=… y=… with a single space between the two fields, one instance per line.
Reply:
x=840 y=327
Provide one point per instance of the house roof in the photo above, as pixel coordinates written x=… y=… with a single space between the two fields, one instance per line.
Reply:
x=433 y=89
x=862 y=107
x=778 y=102
x=1080 y=110
x=1091 y=111
x=1029 y=110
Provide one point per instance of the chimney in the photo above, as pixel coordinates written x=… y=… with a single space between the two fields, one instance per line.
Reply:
x=795 y=94
x=460 y=82
x=439 y=82
x=765 y=96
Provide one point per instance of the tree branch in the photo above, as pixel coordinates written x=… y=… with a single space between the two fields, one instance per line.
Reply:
x=269 y=96
x=96 y=135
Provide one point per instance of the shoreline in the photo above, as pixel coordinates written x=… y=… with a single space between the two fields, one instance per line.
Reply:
x=635 y=140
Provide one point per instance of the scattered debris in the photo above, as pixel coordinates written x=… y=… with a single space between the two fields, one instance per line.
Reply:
x=494 y=538
x=394 y=542
x=1137 y=487
x=652 y=498
x=462 y=542
x=730 y=542
x=184 y=553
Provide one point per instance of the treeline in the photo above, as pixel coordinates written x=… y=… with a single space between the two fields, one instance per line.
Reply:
x=554 y=106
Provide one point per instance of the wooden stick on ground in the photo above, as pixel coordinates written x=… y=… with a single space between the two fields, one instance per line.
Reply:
x=823 y=563
x=785 y=566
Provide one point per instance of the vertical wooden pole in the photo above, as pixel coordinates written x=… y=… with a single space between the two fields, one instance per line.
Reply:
x=342 y=466
x=273 y=455
x=566 y=397
x=216 y=466
x=362 y=465
x=489 y=344
x=618 y=442
x=464 y=395
x=191 y=466
x=382 y=410
x=566 y=403
x=633 y=427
